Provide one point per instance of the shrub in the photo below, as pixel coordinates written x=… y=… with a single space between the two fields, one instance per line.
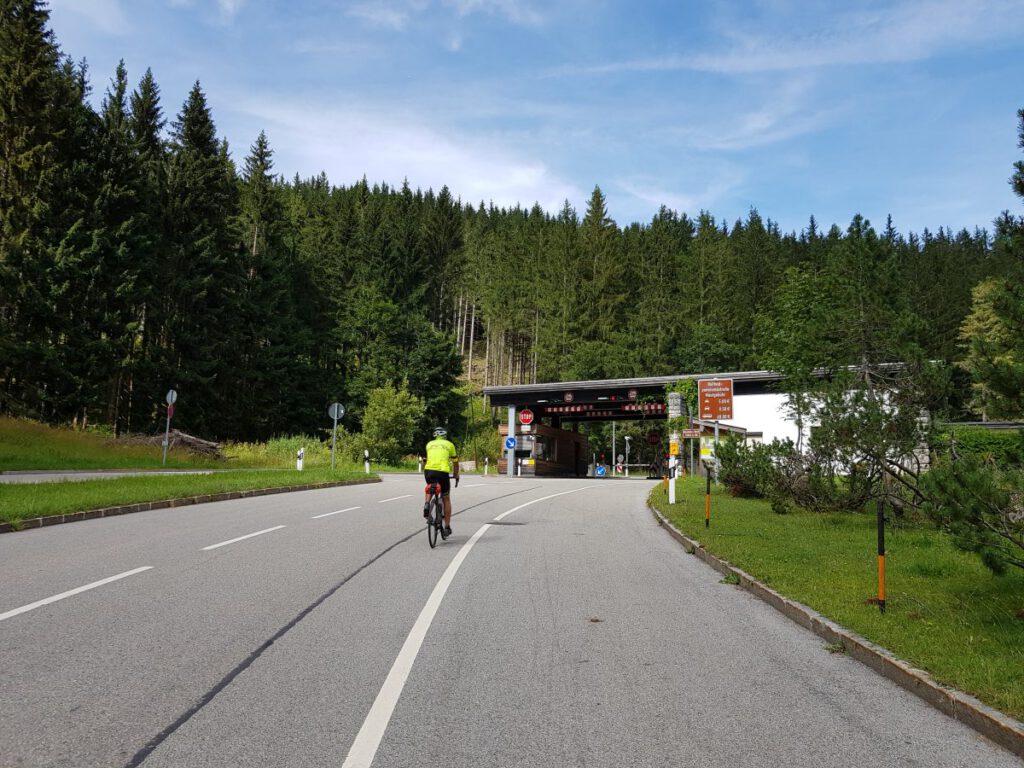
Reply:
x=389 y=423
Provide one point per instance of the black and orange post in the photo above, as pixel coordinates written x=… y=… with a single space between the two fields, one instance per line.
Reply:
x=881 y=555
x=707 y=500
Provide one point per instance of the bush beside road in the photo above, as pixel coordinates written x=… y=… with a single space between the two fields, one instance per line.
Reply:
x=945 y=612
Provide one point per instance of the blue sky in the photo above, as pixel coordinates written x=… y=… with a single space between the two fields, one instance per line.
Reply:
x=905 y=107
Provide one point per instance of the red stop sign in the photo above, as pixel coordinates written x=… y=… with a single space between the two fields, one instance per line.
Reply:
x=653 y=438
x=526 y=416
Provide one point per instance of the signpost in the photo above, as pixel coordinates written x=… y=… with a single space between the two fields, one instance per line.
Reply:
x=172 y=398
x=714 y=403
x=627 y=439
x=714 y=399
x=336 y=411
x=675 y=411
x=510 y=458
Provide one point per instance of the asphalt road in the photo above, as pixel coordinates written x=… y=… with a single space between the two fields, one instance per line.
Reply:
x=571 y=632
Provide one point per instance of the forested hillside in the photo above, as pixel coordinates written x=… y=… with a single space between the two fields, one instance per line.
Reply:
x=138 y=251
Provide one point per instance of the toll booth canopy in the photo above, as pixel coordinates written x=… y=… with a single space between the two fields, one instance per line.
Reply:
x=549 y=443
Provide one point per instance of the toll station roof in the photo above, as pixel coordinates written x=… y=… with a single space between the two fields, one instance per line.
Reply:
x=604 y=399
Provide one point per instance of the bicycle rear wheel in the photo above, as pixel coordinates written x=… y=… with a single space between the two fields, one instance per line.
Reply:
x=434 y=522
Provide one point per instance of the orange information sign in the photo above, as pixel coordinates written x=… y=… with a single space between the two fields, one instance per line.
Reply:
x=714 y=399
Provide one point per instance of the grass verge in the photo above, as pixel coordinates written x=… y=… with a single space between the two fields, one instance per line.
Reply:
x=28 y=444
x=24 y=501
x=945 y=612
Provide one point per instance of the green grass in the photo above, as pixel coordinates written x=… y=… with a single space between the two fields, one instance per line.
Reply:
x=23 y=501
x=28 y=444
x=945 y=612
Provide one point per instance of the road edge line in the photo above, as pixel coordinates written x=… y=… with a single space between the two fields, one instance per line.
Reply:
x=996 y=726
x=145 y=506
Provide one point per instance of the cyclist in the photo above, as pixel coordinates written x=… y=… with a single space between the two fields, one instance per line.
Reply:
x=441 y=455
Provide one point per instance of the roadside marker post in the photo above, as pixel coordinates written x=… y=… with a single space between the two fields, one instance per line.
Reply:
x=880 y=505
x=707 y=498
x=366 y=460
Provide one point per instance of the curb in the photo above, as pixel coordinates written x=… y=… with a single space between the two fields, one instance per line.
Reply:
x=1004 y=730
x=145 y=506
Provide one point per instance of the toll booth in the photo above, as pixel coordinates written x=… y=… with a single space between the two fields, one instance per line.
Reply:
x=545 y=451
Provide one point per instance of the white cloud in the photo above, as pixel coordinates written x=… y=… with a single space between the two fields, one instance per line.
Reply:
x=786 y=111
x=348 y=143
x=908 y=31
x=516 y=11
x=105 y=15
x=381 y=13
x=652 y=193
x=228 y=8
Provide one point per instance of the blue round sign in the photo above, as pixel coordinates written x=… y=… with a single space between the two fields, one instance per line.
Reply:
x=510 y=442
x=600 y=471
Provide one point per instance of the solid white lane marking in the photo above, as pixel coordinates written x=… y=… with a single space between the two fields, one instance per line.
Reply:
x=395 y=498
x=346 y=509
x=475 y=485
x=70 y=592
x=243 y=538
x=364 y=748
x=545 y=498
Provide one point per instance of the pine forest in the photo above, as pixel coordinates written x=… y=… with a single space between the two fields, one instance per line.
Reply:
x=139 y=251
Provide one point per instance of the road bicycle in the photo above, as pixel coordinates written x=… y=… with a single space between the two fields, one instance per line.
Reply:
x=435 y=515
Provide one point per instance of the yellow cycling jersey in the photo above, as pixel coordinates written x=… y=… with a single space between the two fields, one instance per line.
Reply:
x=440 y=454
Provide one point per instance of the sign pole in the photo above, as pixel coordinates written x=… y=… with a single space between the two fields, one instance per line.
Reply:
x=167 y=434
x=716 y=451
x=172 y=398
x=334 y=441
x=675 y=411
x=511 y=454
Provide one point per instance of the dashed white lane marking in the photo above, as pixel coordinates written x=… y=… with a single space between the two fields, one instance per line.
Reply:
x=475 y=485
x=70 y=592
x=395 y=498
x=243 y=538
x=364 y=748
x=346 y=509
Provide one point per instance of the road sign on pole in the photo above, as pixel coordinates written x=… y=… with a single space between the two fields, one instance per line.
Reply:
x=714 y=399
x=600 y=471
x=172 y=398
x=510 y=443
x=336 y=411
x=526 y=416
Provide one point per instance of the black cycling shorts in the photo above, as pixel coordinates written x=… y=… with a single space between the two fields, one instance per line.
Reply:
x=435 y=476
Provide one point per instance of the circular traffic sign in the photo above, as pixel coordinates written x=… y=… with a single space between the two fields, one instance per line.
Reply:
x=567 y=397
x=526 y=416
x=632 y=394
x=510 y=442
x=336 y=411
x=600 y=471
x=172 y=397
